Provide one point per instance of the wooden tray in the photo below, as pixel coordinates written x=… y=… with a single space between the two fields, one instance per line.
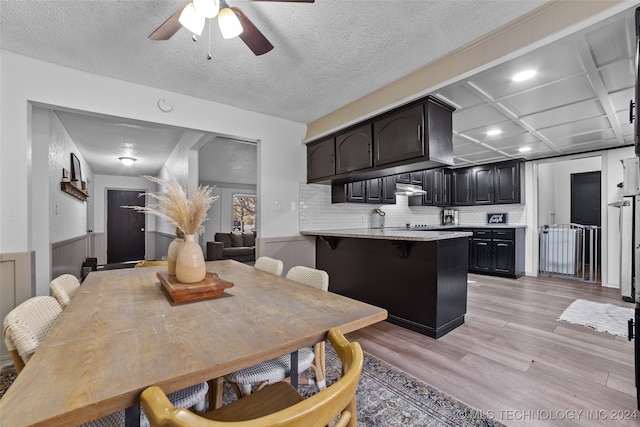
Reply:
x=212 y=286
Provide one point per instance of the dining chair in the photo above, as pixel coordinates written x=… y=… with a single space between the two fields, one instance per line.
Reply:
x=64 y=288
x=278 y=369
x=24 y=327
x=270 y=265
x=275 y=405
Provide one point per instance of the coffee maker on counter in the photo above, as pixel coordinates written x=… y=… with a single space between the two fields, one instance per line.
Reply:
x=449 y=217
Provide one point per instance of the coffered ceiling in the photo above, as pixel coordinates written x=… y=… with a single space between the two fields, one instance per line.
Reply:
x=577 y=101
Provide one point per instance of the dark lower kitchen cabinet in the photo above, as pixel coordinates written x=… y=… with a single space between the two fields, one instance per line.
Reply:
x=497 y=251
x=353 y=150
x=480 y=253
x=321 y=159
x=399 y=136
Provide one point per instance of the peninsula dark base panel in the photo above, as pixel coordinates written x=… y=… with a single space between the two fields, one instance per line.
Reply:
x=426 y=291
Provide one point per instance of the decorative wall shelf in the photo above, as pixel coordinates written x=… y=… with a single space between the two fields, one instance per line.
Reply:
x=71 y=189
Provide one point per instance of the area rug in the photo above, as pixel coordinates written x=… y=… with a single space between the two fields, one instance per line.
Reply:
x=599 y=316
x=386 y=397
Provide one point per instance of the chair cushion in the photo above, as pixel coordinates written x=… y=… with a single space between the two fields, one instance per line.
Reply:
x=236 y=240
x=225 y=238
x=248 y=239
x=271 y=371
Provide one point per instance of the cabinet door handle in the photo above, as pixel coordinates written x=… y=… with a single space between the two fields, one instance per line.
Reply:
x=419 y=133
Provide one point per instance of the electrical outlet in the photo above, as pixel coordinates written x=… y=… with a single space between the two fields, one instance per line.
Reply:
x=278 y=206
x=293 y=206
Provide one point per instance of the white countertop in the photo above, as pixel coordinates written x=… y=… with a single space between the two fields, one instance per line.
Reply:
x=390 y=233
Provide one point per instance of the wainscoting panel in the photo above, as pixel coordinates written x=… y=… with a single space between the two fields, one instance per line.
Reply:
x=292 y=250
x=67 y=256
x=17 y=284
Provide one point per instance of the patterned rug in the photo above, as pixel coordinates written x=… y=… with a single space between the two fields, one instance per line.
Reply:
x=599 y=316
x=386 y=397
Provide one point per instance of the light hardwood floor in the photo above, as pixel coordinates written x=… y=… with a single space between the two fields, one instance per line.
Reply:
x=514 y=360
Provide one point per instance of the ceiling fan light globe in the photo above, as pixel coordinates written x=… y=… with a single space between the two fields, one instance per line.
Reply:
x=207 y=8
x=190 y=19
x=229 y=23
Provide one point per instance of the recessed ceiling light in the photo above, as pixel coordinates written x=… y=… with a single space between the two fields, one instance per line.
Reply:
x=127 y=161
x=494 y=132
x=524 y=149
x=523 y=75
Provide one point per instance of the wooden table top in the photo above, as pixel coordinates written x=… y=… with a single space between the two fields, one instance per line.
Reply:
x=122 y=334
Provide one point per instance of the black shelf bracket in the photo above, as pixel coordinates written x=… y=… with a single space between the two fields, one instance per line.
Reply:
x=331 y=241
x=403 y=248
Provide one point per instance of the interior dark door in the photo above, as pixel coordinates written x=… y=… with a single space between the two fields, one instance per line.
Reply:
x=585 y=204
x=125 y=227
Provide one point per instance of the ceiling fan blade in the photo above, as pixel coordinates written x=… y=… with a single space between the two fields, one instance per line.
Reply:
x=168 y=27
x=251 y=36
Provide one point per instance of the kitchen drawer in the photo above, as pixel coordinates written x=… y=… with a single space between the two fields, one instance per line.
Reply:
x=481 y=234
x=503 y=234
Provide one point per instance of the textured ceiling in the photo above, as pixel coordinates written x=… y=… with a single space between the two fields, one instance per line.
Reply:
x=330 y=53
x=326 y=54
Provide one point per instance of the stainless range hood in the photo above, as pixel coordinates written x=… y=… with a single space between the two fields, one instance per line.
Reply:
x=409 y=190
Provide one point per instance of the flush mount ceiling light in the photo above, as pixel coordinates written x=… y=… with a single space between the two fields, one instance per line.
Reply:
x=127 y=161
x=494 y=132
x=523 y=75
x=524 y=149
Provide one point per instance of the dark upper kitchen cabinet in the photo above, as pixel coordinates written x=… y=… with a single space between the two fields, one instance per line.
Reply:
x=413 y=137
x=353 y=150
x=399 y=136
x=461 y=187
x=389 y=189
x=375 y=191
x=506 y=182
x=356 y=191
x=320 y=159
x=447 y=191
x=482 y=185
x=414 y=178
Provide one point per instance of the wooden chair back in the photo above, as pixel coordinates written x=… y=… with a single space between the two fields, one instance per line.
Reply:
x=337 y=400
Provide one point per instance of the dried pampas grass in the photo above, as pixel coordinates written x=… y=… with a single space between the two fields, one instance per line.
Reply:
x=186 y=214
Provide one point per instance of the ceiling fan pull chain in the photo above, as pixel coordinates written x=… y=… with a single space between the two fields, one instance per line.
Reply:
x=209 y=48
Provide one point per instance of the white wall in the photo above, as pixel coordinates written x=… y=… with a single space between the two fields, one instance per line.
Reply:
x=55 y=216
x=281 y=155
x=554 y=187
x=613 y=175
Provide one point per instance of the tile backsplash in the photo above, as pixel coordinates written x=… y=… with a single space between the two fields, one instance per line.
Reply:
x=317 y=212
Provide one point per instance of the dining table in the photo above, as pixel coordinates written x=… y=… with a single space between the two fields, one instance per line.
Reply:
x=122 y=333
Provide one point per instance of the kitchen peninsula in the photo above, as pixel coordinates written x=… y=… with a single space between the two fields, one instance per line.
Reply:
x=420 y=277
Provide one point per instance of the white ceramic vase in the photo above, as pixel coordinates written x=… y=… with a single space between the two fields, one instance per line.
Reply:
x=190 y=265
x=172 y=255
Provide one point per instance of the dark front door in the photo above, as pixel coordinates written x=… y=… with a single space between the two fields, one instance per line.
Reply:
x=585 y=206
x=125 y=227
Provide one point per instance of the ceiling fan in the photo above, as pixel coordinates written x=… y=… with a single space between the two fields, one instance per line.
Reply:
x=231 y=20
